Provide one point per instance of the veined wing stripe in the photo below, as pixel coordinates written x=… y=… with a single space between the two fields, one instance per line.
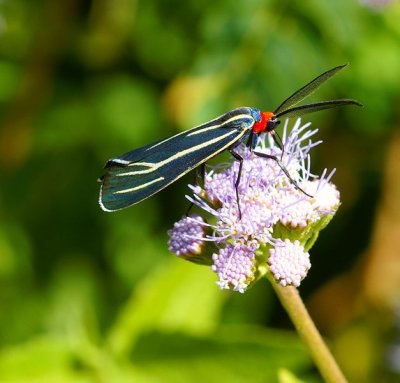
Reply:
x=166 y=140
x=208 y=128
x=190 y=133
x=150 y=165
x=191 y=168
x=119 y=161
x=240 y=116
x=139 y=187
x=183 y=153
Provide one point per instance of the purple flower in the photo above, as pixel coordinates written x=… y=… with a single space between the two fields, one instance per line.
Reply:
x=289 y=263
x=187 y=239
x=235 y=266
x=277 y=220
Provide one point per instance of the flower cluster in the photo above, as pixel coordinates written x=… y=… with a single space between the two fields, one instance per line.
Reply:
x=275 y=221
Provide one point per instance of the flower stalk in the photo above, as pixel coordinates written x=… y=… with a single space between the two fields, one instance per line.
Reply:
x=294 y=306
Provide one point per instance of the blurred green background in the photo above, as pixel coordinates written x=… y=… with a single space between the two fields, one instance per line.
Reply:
x=88 y=296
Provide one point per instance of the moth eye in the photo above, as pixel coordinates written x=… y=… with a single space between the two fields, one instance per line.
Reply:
x=272 y=124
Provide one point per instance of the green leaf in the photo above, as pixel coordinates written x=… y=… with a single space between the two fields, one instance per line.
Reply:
x=176 y=296
x=232 y=354
x=42 y=359
x=285 y=376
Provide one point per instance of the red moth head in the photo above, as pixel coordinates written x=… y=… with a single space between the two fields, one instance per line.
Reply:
x=267 y=123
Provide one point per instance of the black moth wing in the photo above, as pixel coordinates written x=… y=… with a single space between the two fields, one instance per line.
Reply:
x=138 y=174
x=129 y=157
x=301 y=110
x=307 y=89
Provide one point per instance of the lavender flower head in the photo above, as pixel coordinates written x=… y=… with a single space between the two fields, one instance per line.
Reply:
x=278 y=223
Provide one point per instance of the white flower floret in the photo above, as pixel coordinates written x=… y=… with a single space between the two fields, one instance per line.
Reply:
x=289 y=263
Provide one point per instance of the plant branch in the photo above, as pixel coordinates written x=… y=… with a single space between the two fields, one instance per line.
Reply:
x=294 y=306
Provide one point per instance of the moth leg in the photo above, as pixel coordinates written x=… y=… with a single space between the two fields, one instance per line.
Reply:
x=276 y=159
x=237 y=182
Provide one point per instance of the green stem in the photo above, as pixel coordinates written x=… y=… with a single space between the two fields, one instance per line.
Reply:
x=294 y=306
